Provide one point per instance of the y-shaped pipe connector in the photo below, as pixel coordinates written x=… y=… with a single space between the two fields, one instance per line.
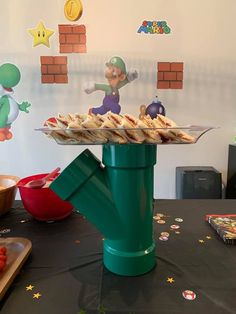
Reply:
x=84 y=184
x=118 y=199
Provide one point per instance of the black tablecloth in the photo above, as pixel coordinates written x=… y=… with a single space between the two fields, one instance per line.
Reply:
x=66 y=268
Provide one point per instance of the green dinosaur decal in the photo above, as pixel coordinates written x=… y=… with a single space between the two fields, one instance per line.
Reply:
x=9 y=108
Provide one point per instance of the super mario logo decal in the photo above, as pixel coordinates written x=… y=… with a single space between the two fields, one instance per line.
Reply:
x=154 y=27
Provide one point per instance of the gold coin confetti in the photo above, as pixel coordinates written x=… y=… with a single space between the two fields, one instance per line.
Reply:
x=165 y=234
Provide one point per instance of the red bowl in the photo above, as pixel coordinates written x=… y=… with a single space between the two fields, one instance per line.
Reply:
x=43 y=204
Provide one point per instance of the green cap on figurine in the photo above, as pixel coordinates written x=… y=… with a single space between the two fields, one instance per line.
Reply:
x=117 y=62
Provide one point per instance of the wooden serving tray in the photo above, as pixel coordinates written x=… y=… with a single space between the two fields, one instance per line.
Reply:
x=18 y=249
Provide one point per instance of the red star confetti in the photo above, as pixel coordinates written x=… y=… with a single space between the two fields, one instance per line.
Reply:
x=37 y=295
x=189 y=295
x=29 y=287
x=170 y=279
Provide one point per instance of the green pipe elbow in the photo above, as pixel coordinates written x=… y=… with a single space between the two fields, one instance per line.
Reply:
x=84 y=184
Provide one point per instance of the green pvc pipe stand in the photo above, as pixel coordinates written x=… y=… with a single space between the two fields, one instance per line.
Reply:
x=118 y=199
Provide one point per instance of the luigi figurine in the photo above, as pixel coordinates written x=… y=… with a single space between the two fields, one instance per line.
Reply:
x=117 y=77
x=9 y=108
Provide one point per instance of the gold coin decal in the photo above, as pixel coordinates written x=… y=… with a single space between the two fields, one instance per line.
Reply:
x=73 y=10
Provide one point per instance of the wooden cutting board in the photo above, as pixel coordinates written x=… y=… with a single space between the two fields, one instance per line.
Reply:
x=18 y=249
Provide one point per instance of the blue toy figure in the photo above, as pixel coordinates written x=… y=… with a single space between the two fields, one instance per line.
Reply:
x=9 y=108
x=117 y=77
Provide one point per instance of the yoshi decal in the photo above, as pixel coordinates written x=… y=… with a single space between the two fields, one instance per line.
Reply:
x=9 y=108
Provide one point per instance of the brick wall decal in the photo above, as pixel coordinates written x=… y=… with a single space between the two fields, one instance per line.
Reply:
x=54 y=69
x=72 y=38
x=170 y=75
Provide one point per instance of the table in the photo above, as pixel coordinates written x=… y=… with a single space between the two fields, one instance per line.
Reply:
x=231 y=172
x=65 y=266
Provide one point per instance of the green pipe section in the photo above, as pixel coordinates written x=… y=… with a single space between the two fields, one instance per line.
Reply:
x=118 y=200
x=83 y=183
x=129 y=170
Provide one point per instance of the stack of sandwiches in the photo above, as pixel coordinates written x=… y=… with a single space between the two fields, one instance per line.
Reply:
x=114 y=128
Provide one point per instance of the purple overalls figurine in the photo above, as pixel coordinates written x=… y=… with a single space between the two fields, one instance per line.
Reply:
x=117 y=77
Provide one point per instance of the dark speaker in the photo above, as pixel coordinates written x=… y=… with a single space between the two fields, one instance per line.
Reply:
x=198 y=183
x=231 y=174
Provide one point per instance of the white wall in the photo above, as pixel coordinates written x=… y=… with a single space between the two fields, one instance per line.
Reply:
x=202 y=37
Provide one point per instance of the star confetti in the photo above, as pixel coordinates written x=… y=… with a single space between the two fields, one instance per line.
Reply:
x=201 y=241
x=37 y=295
x=208 y=237
x=29 y=287
x=41 y=35
x=170 y=279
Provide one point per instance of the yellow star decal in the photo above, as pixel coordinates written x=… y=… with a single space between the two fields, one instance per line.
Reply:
x=201 y=241
x=29 y=287
x=41 y=35
x=170 y=279
x=37 y=295
x=209 y=237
